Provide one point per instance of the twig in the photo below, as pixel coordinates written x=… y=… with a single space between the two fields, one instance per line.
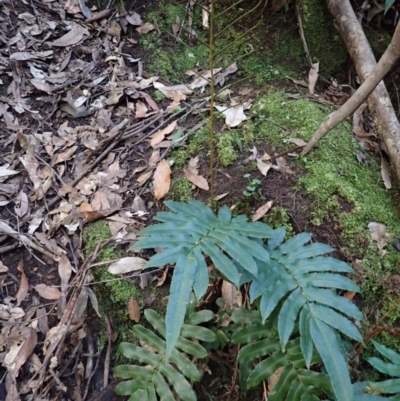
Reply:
x=303 y=38
x=108 y=354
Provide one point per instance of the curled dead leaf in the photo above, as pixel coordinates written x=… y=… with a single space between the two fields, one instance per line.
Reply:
x=133 y=309
x=261 y=211
x=47 y=292
x=127 y=265
x=162 y=179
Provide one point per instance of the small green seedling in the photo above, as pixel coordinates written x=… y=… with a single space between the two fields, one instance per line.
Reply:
x=253 y=189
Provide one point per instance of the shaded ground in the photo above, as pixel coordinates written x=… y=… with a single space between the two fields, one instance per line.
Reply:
x=294 y=205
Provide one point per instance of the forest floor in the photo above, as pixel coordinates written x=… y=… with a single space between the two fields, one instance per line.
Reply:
x=101 y=122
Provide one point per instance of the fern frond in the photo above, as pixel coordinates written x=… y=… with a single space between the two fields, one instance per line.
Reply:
x=162 y=374
x=197 y=231
x=302 y=282
x=261 y=340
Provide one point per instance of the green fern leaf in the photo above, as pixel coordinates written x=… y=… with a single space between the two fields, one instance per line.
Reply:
x=294 y=243
x=181 y=289
x=330 y=298
x=141 y=394
x=202 y=316
x=162 y=387
x=252 y=332
x=224 y=214
x=257 y=349
x=320 y=264
x=393 y=356
x=266 y=368
x=328 y=280
x=200 y=285
x=200 y=333
x=170 y=255
x=362 y=390
x=305 y=252
x=336 y=320
x=269 y=301
x=150 y=383
x=277 y=239
x=245 y=316
x=178 y=382
x=128 y=387
x=327 y=343
x=306 y=343
x=133 y=372
x=385 y=367
x=182 y=362
x=182 y=343
x=288 y=315
x=221 y=262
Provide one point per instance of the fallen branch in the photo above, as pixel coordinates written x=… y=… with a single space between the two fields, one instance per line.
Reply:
x=385 y=120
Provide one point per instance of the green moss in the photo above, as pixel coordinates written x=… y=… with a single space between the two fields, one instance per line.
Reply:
x=379 y=41
x=181 y=190
x=322 y=37
x=113 y=293
x=279 y=217
x=227 y=153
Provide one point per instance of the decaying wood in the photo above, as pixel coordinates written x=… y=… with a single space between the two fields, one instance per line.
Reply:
x=371 y=74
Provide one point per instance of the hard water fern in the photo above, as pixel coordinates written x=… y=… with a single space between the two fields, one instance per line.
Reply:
x=292 y=279
x=261 y=342
x=160 y=375
x=187 y=234
x=302 y=284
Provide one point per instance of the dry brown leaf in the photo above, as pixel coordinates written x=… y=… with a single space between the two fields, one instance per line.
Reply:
x=159 y=136
x=192 y=174
x=66 y=155
x=74 y=36
x=261 y=211
x=23 y=286
x=141 y=109
x=263 y=167
x=3 y=267
x=43 y=322
x=145 y=28
x=162 y=179
x=385 y=175
x=312 y=77
x=21 y=204
x=133 y=309
x=144 y=177
x=221 y=196
x=234 y=115
x=47 y=292
x=24 y=340
x=163 y=277
x=173 y=91
x=149 y=101
x=231 y=295
x=127 y=265
x=282 y=166
x=349 y=295
x=297 y=141
x=64 y=271
x=274 y=378
x=379 y=235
